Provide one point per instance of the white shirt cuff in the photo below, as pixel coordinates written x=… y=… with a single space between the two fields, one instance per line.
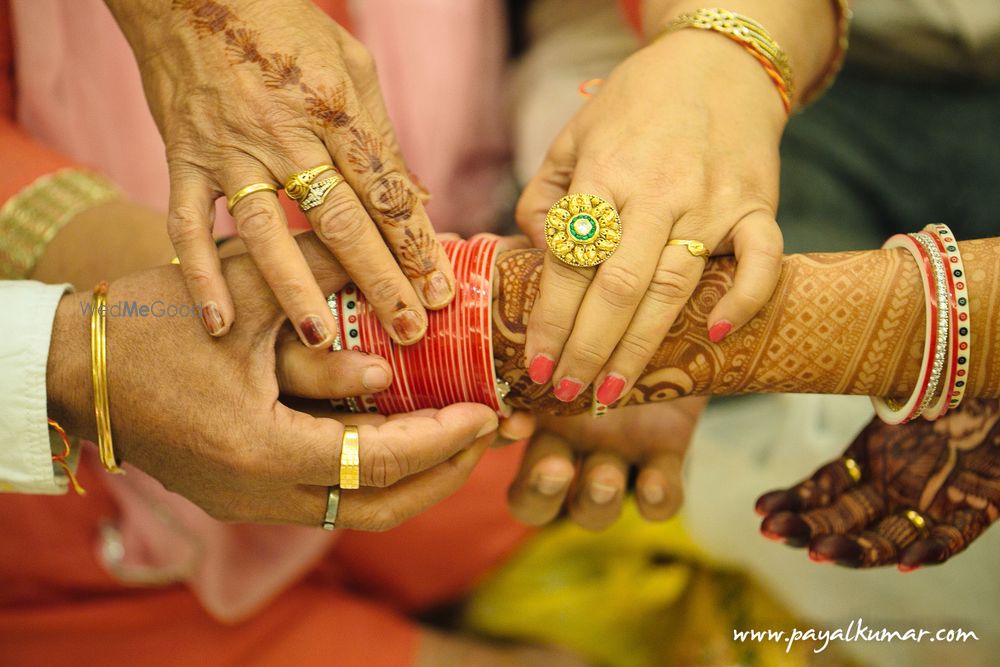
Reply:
x=28 y=308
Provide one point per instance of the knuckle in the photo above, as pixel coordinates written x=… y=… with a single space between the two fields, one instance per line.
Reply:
x=341 y=223
x=588 y=354
x=385 y=467
x=382 y=289
x=619 y=286
x=671 y=287
x=552 y=326
x=256 y=221
x=185 y=225
x=384 y=518
x=639 y=346
x=197 y=277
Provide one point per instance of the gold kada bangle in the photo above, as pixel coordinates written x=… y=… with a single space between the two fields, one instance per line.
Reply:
x=99 y=371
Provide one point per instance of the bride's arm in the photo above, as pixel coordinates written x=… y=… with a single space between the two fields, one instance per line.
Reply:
x=839 y=323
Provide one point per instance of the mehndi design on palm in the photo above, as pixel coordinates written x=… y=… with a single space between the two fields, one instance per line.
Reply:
x=947 y=471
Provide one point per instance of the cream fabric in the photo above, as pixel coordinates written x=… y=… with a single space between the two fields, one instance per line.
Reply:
x=28 y=309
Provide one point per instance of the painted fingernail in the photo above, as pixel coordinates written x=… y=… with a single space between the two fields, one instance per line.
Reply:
x=550 y=485
x=540 y=370
x=437 y=290
x=653 y=494
x=611 y=389
x=907 y=568
x=314 y=331
x=719 y=331
x=819 y=558
x=602 y=494
x=568 y=389
x=212 y=318
x=375 y=378
x=408 y=325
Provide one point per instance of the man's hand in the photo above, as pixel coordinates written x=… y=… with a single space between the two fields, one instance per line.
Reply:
x=202 y=415
x=248 y=92
x=947 y=471
x=583 y=462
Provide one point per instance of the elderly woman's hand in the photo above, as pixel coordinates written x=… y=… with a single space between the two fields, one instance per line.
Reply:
x=683 y=140
x=249 y=92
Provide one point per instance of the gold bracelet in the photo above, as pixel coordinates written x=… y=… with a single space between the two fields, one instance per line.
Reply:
x=843 y=16
x=32 y=217
x=751 y=36
x=99 y=371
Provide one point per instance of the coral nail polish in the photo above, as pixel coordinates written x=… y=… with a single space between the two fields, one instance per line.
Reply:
x=611 y=389
x=568 y=389
x=907 y=568
x=719 y=331
x=313 y=330
x=540 y=370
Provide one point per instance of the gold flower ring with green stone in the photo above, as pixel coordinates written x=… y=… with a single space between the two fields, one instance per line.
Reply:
x=583 y=230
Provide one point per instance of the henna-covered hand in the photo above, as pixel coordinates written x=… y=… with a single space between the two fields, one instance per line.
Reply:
x=947 y=472
x=248 y=92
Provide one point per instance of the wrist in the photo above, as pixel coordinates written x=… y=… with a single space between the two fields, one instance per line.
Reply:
x=67 y=378
x=806 y=31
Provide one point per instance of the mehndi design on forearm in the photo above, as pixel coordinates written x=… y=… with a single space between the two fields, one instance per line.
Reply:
x=843 y=323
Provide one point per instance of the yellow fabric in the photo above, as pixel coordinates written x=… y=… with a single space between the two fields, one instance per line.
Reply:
x=637 y=595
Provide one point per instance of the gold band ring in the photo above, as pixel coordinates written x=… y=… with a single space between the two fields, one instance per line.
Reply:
x=696 y=248
x=332 y=507
x=350 y=477
x=318 y=192
x=853 y=469
x=917 y=519
x=297 y=185
x=583 y=230
x=249 y=190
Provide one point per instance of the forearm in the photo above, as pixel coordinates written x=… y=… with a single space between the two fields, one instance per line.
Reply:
x=845 y=323
x=805 y=29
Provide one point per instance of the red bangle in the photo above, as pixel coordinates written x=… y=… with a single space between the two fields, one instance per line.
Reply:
x=453 y=362
x=892 y=413
x=961 y=329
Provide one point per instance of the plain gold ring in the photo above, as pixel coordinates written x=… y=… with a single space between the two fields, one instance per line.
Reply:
x=696 y=248
x=249 y=190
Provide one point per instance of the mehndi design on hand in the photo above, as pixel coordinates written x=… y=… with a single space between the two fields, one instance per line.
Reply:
x=928 y=490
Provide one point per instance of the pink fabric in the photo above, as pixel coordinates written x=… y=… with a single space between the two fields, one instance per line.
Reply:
x=79 y=93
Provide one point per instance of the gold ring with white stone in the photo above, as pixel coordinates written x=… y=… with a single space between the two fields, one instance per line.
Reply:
x=318 y=192
x=583 y=230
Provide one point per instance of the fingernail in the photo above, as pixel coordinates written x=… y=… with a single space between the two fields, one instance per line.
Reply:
x=313 y=330
x=567 y=390
x=653 y=494
x=375 y=378
x=719 y=331
x=550 y=485
x=540 y=370
x=488 y=427
x=437 y=290
x=907 y=568
x=611 y=389
x=408 y=325
x=602 y=494
x=212 y=318
x=819 y=558
x=423 y=194
x=771 y=535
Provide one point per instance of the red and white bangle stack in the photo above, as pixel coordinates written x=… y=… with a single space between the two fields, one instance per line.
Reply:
x=945 y=364
x=453 y=363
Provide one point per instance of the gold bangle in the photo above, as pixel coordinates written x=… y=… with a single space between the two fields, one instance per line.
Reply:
x=842 y=16
x=350 y=477
x=31 y=218
x=750 y=35
x=99 y=372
